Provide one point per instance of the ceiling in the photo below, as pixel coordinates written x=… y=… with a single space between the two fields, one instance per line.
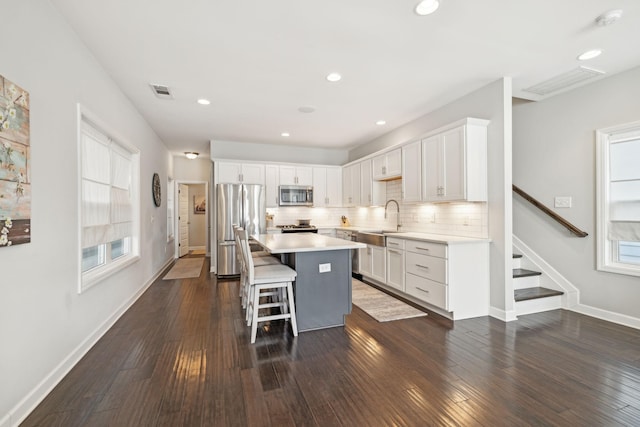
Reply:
x=259 y=61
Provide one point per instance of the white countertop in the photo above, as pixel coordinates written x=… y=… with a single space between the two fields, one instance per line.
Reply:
x=437 y=238
x=303 y=242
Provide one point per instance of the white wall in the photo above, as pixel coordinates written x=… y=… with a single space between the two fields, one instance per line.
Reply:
x=554 y=155
x=45 y=325
x=493 y=102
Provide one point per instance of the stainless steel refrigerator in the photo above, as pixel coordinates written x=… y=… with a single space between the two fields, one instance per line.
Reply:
x=242 y=205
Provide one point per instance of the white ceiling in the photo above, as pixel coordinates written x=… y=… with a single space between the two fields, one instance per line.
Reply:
x=259 y=61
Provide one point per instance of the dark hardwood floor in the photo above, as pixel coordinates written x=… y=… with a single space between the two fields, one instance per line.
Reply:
x=181 y=357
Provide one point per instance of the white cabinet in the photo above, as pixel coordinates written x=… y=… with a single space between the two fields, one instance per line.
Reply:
x=395 y=263
x=372 y=263
x=351 y=185
x=296 y=175
x=450 y=277
x=388 y=165
x=236 y=173
x=327 y=187
x=272 y=181
x=412 y=172
x=454 y=163
x=372 y=193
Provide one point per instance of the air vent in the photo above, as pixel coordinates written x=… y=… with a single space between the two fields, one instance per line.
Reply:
x=161 y=91
x=564 y=81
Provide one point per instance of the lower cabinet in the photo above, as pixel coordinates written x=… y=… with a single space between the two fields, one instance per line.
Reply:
x=372 y=263
x=449 y=278
x=395 y=263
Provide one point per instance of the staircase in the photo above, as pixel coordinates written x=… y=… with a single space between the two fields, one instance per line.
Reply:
x=529 y=295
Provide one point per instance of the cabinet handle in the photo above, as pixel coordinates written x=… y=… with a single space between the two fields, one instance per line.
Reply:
x=394 y=252
x=422 y=249
x=423 y=290
x=422 y=266
x=393 y=243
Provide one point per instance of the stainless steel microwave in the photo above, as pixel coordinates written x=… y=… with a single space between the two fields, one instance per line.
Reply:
x=295 y=195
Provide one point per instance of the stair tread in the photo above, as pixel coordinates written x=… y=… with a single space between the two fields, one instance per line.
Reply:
x=536 y=292
x=523 y=272
x=516 y=255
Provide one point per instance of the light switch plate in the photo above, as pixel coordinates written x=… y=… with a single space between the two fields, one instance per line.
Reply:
x=562 y=202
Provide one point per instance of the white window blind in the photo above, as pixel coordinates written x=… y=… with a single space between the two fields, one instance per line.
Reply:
x=624 y=187
x=106 y=189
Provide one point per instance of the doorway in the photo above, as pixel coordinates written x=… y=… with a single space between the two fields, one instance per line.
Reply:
x=192 y=220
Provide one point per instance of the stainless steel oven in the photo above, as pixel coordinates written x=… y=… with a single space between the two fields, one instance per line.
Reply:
x=295 y=195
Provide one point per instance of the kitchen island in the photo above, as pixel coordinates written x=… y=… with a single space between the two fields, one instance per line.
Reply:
x=322 y=289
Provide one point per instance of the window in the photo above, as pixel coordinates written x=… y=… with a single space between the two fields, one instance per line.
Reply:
x=618 y=152
x=108 y=203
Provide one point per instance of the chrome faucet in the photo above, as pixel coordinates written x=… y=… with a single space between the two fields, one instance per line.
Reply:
x=398 y=225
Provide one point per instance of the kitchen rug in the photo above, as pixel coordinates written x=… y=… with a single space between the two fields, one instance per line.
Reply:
x=185 y=268
x=380 y=306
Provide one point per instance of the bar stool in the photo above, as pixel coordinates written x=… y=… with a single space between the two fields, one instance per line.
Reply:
x=258 y=260
x=268 y=281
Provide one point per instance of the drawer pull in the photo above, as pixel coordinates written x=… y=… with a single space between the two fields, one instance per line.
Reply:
x=394 y=252
x=423 y=290
x=422 y=266
x=393 y=243
x=423 y=249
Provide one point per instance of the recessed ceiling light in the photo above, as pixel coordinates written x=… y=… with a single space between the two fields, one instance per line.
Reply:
x=203 y=101
x=590 y=54
x=307 y=109
x=191 y=155
x=285 y=134
x=609 y=18
x=381 y=122
x=334 y=77
x=427 y=7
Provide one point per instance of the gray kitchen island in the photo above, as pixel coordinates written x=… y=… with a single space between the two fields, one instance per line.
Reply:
x=322 y=289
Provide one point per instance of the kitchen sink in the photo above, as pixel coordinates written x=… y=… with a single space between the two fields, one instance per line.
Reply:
x=375 y=238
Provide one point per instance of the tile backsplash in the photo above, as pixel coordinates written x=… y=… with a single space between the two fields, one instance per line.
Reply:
x=458 y=219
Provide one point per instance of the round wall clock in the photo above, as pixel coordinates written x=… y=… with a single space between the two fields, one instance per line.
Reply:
x=156 y=190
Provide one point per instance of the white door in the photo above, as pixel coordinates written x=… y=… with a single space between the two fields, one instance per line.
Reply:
x=272 y=181
x=183 y=219
x=412 y=172
x=334 y=187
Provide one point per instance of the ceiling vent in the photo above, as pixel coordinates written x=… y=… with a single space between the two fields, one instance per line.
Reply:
x=161 y=91
x=564 y=81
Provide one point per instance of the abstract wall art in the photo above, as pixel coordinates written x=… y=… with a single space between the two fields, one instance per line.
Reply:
x=15 y=179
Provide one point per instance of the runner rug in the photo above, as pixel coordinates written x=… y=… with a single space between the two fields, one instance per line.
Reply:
x=380 y=306
x=185 y=268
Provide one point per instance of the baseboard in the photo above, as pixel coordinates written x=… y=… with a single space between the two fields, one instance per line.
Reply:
x=505 y=316
x=621 y=319
x=20 y=412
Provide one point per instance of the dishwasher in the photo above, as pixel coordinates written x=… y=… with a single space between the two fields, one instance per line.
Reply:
x=352 y=236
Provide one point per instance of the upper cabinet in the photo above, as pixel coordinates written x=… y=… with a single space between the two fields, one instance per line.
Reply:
x=327 y=186
x=351 y=185
x=372 y=193
x=412 y=172
x=240 y=173
x=296 y=175
x=272 y=181
x=388 y=166
x=454 y=164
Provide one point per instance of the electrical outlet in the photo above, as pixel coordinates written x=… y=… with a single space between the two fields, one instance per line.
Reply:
x=562 y=202
x=324 y=268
